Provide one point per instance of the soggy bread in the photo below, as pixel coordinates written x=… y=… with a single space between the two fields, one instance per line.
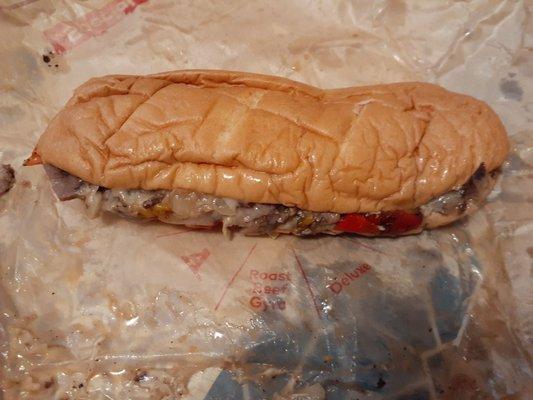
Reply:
x=266 y=139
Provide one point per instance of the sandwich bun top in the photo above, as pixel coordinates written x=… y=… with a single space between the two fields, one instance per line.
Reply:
x=266 y=139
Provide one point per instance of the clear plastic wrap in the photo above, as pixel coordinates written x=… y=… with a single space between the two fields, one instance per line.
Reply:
x=108 y=308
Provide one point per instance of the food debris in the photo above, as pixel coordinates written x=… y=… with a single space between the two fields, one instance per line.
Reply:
x=7 y=178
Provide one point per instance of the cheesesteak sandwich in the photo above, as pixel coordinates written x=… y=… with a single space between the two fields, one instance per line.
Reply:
x=267 y=155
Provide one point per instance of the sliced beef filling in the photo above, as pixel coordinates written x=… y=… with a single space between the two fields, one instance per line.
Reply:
x=202 y=210
x=65 y=186
x=463 y=201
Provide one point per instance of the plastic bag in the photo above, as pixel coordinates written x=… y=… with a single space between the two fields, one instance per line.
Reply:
x=110 y=308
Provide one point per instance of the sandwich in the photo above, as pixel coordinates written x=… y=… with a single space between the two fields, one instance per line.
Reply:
x=266 y=155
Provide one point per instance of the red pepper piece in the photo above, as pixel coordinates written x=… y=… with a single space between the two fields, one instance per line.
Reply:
x=406 y=222
x=358 y=223
x=383 y=223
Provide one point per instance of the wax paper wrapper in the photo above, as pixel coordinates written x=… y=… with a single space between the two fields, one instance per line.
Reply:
x=108 y=308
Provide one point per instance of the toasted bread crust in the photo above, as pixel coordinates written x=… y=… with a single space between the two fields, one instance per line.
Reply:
x=266 y=139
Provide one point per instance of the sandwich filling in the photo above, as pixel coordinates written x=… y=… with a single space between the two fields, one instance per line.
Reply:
x=202 y=210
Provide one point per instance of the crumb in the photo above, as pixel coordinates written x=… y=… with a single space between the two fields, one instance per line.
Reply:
x=380 y=383
x=141 y=376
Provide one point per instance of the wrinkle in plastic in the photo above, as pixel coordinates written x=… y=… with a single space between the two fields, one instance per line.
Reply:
x=111 y=308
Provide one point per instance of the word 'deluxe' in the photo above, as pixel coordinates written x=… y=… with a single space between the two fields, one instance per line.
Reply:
x=348 y=277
